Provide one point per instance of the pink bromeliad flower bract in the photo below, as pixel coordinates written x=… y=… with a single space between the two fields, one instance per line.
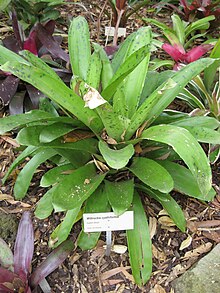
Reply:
x=179 y=55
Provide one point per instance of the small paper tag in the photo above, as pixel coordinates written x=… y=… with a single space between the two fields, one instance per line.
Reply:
x=110 y=31
x=98 y=222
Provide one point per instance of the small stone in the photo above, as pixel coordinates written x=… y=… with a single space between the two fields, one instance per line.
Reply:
x=203 y=277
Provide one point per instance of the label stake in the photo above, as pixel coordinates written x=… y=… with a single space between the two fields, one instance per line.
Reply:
x=108 y=242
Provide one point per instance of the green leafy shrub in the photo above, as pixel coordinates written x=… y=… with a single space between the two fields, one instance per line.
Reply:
x=114 y=141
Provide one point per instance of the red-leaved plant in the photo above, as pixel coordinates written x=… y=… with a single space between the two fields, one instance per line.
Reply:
x=15 y=271
x=180 y=56
x=40 y=42
x=200 y=8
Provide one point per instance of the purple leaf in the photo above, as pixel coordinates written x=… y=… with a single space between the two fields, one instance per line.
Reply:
x=10 y=282
x=16 y=105
x=11 y=43
x=6 y=256
x=34 y=95
x=18 y=31
x=197 y=52
x=8 y=88
x=120 y=4
x=6 y=275
x=48 y=41
x=50 y=26
x=174 y=52
x=54 y=259
x=110 y=50
x=30 y=43
x=24 y=247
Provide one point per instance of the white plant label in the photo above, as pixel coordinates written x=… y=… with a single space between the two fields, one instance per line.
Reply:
x=110 y=31
x=98 y=222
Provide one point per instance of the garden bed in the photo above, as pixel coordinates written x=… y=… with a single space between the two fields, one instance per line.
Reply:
x=92 y=271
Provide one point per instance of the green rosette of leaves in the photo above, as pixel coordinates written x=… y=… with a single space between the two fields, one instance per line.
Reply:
x=114 y=143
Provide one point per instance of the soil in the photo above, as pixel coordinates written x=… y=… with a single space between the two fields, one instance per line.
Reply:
x=92 y=271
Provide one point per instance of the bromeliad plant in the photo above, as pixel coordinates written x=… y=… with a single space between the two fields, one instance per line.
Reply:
x=15 y=270
x=180 y=38
x=203 y=95
x=115 y=143
x=200 y=8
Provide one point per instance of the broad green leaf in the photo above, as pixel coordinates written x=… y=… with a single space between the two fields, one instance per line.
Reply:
x=96 y=203
x=38 y=62
x=30 y=135
x=26 y=153
x=107 y=72
x=199 y=24
x=153 y=106
x=127 y=67
x=24 y=177
x=8 y=55
x=77 y=187
x=57 y=91
x=159 y=24
x=94 y=71
x=198 y=121
x=85 y=145
x=113 y=125
x=10 y=122
x=55 y=174
x=134 y=82
x=178 y=28
x=151 y=173
x=152 y=81
x=120 y=107
x=46 y=105
x=122 y=53
x=62 y=231
x=169 y=204
x=157 y=63
x=116 y=159
x=44 y=205
x=203 y=134
x=4 y=4
x=120 y=195
x=184 y=181
x=77 y=158
x=139 y=244
x=79 y=47
x=54 y=131
x=6 y=256
x=210 y=72
x=186 y=146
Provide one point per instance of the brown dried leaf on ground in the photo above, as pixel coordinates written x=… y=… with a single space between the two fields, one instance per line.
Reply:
x=112 y=272
x=158 y=254
x=204 y=248
x=157 y=289
x=212 y=235
x=186 y=243
x=152 y=226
